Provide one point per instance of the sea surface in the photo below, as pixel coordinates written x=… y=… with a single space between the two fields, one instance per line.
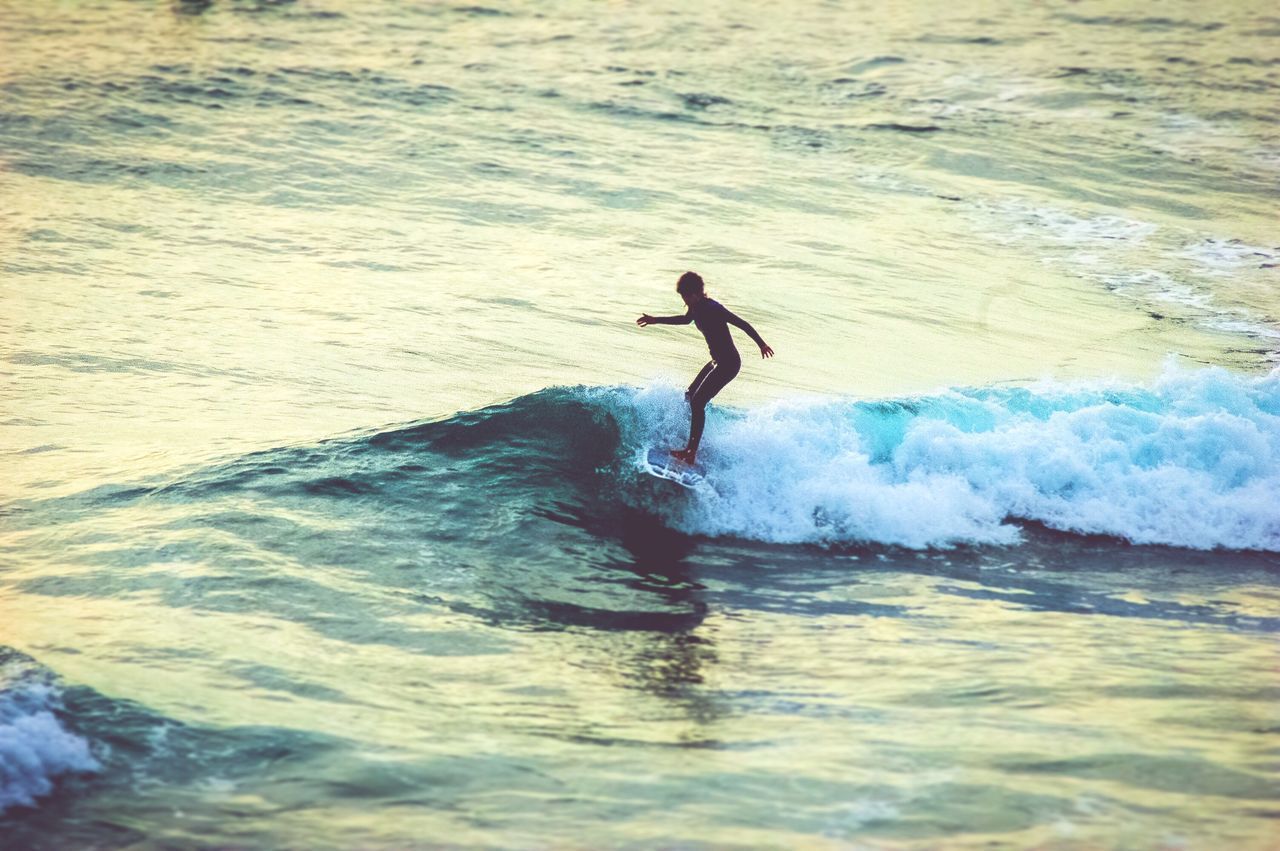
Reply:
x=322 y=522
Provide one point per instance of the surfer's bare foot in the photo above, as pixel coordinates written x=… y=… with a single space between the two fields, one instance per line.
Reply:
x=684 y=456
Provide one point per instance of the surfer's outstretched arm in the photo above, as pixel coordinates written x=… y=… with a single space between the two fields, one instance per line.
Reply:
x=738 y=322
x=646 y=319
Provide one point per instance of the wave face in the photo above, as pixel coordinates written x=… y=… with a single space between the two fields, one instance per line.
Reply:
x=35 y=747
x=1192 y=461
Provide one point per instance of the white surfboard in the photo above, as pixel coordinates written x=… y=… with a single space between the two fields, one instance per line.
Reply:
x=658 y=462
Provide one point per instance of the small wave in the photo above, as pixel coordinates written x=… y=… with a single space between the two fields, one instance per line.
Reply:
x=872 y=63
x=702 y=100
x=981 y=40
x=1147 y=24
x=35 y=747
x=1193 y=461
x=905 y=128
x=623 y=110
x=481 y=11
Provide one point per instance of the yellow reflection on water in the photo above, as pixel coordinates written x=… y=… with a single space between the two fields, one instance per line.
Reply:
x=1098 y=719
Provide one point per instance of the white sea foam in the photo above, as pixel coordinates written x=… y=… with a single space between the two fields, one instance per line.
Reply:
x=1068 y=228
x=35 y=747
x=1155 y=267
x=1192 y=461
x=1246 y=327
x=1154 y=286
x=1224 y=256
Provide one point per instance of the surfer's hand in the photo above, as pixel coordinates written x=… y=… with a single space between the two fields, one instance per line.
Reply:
x=766 y=352
x=644 y=320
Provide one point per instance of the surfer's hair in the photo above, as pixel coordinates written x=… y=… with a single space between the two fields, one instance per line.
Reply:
x=690 y=283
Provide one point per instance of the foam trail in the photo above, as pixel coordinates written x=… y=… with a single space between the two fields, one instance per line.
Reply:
x=1192 y=461
x=35 y=748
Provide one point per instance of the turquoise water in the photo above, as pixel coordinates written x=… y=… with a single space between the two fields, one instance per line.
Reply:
x=322 y=522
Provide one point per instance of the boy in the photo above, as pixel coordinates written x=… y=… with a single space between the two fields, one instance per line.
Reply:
x=713 y=320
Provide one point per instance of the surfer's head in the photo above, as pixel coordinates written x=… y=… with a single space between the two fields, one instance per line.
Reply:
x=690 y=287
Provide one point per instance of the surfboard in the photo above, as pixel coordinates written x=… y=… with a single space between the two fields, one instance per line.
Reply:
x=658 y=462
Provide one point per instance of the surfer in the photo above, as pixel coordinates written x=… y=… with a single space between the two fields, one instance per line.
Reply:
x=713 y=319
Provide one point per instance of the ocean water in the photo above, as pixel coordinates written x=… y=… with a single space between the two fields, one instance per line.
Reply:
x=321 y=520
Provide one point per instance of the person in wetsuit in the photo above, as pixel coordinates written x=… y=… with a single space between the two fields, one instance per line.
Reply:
x=713 y=319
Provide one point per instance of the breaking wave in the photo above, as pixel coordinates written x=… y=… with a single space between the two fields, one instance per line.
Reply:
x=35 y=747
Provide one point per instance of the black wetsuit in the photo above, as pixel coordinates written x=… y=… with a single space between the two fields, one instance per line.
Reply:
x=713 y=319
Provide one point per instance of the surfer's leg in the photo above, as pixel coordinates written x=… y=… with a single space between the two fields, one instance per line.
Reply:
x=715 y=381
x=697 y=421
x=697 y=414
x=702 y=376
x=712 y=383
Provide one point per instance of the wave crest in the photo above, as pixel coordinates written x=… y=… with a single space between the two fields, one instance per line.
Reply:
x=1192 y=461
